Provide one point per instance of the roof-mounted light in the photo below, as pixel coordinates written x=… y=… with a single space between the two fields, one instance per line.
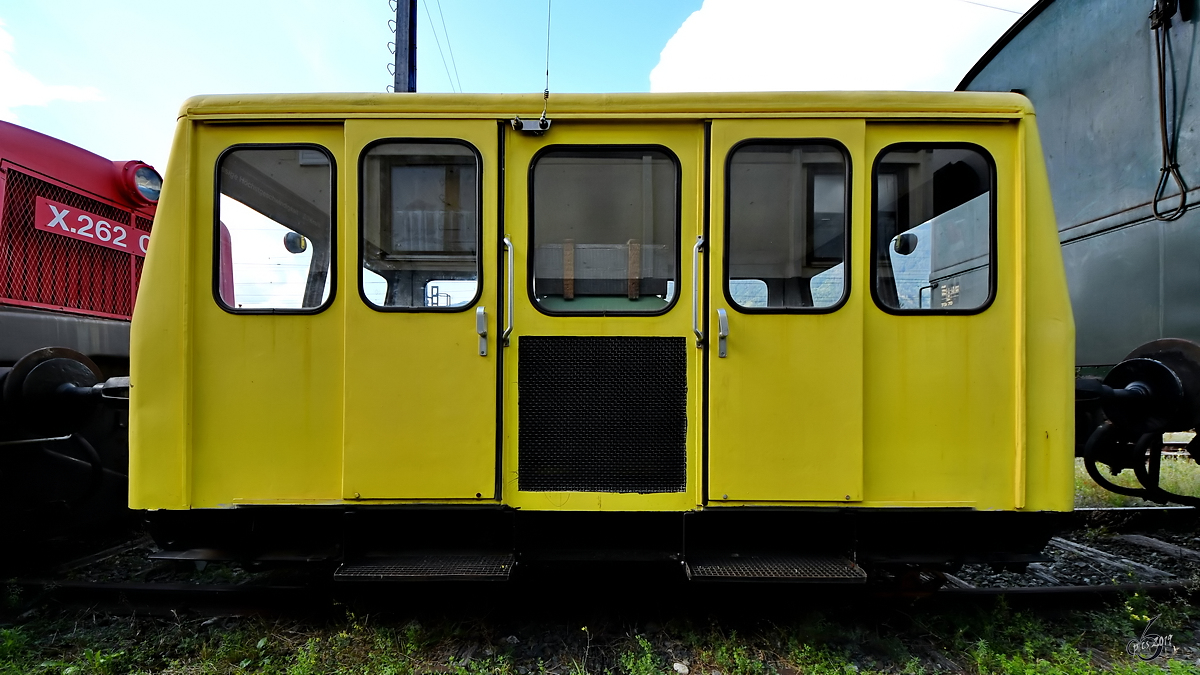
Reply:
x=141 y=183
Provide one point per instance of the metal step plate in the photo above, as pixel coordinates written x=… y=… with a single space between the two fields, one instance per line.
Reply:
x=812 y=568
x=429 y=567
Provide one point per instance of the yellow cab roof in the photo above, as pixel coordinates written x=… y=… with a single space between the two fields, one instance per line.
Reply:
x=631 y=105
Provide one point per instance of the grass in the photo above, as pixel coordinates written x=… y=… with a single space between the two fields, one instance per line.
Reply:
x=840 y=640
x=1180 y=475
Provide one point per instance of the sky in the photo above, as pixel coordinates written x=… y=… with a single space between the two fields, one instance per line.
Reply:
x=110 y=76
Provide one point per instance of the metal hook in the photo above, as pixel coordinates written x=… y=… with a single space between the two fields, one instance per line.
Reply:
x=391 y=69
x=393 y=4
x=390 y=89
x=392 y=47
x=392 y=25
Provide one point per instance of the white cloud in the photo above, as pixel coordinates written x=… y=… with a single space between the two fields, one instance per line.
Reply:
x=782 y=45
x=20 y=88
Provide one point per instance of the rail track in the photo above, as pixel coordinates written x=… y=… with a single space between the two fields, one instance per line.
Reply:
x=1112 y=553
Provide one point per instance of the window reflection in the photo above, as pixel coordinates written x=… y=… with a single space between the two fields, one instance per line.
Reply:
x=420 y=225
x=933 y=225
x=787 y=225
x=604 y=230
x=274 y=234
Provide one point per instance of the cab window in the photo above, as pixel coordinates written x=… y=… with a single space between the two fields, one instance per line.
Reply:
x=605 y=230
x=420 y=226
x=933 y=229
x=274 y=229
x=786 y=222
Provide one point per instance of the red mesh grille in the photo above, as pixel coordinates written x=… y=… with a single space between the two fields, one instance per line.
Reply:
x=44 y=269
x=140 y=223
x=137 y=273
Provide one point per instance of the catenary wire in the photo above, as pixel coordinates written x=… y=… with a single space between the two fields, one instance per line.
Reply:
x=449 y=47
x=980 y=4
x=433 y=29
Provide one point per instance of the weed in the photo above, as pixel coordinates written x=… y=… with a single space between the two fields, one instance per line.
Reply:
x=96 y=662
x=820 y=660
x=13 y=644
x=307 y=660
x=14 y=649
x=641 y=660
x=580 y=667
x=498 y=665
x=734 y=657
x=412 y=638
x=12 y=596
x=386 y=656
x=1065 y=660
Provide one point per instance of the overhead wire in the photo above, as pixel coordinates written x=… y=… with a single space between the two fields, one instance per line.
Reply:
x=980 y=4
x=439 y=44
x=449 y=47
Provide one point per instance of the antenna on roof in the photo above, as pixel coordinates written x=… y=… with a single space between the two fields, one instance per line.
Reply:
x=546 y=94
x=542 y=125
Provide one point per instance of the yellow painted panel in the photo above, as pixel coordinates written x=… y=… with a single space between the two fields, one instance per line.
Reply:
x=420 y=400
x=941 y=398
x=686 y=141
x=785 y=405
x=266 y=421
x=160 y=341
x=1050 y=343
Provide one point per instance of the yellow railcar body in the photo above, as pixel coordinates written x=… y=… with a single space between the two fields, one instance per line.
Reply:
x=854 y=407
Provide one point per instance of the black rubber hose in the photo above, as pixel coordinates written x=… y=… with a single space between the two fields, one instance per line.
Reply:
x=1149 y=476
x=1170 y=168
x=1103 y=434
x=96 y=469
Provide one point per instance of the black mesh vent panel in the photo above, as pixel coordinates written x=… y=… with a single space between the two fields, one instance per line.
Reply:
x=602 y=414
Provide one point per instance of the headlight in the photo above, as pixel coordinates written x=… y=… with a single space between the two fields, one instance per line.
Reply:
x=148 y=182
x=140 y=182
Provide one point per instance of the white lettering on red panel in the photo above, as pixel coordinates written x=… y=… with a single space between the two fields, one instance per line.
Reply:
x=68 y=221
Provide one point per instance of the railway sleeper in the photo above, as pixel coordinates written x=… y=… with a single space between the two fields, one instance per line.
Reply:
x=1173 y=550
x=1109 y=560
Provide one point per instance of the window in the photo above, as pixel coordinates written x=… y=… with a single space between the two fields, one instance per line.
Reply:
x=274 y=235
x=420 y=226
x=605 y=226
x=786 y=226
x=933 y=229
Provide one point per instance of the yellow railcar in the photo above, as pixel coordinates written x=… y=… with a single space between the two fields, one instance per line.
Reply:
x=745 y=332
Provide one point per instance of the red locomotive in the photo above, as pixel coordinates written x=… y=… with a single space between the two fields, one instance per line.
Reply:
x=74 y=228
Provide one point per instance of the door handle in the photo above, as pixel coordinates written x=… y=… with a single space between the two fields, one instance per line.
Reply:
x=481 y=329
x=508 y=314
x=722 y=332
x=696 y=292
